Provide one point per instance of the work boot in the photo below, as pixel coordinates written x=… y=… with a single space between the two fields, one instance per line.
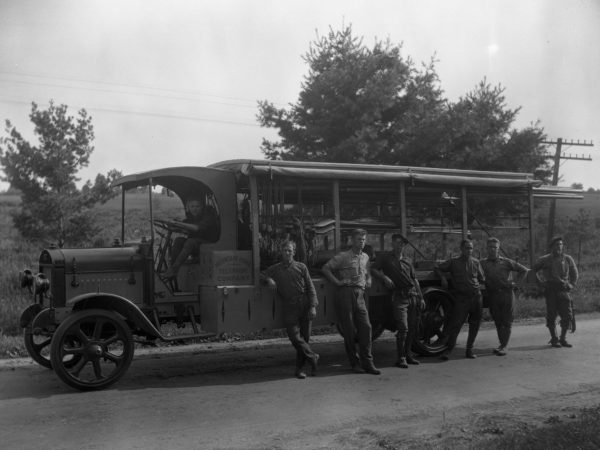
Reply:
x=473 y=330
x=300 y=374
x=370 y=368
x=469 y=354
x=356 y=369
x=313 y=364
x=170 y=274
x=504 y=343
x=563 y=343
x=402 y=363
x=554 y=342
x=400 y=346
x=553 y=338
x=563 y=338
x=413 y=361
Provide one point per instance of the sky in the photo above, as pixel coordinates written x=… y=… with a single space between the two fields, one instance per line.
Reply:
x=172 y=83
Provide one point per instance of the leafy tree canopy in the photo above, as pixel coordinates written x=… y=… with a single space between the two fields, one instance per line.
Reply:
x=372 y=105
x=53 y=207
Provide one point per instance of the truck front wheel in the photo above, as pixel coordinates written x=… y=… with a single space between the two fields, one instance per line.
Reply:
x=38 y=347
x=100 y=343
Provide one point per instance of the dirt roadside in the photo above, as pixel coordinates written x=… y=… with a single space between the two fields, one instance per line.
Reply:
x=241 y=395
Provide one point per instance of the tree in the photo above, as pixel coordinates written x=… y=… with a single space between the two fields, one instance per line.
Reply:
x=478 y=135
x=356 y=104
x=53 y=208
x=374 y=106
x=577 y=185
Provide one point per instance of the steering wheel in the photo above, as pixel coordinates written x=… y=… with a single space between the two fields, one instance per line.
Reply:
x=169 y=225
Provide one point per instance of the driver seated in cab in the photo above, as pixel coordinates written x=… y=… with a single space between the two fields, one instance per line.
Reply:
x=201 y=225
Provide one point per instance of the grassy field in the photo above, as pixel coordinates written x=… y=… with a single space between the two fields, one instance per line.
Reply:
x=582 y=433
x=17 y=254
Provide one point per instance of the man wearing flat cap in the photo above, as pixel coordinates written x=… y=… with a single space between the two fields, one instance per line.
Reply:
x=398 y=275
x=558 y=273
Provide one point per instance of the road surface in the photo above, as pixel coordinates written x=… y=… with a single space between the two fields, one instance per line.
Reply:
x=243 y=396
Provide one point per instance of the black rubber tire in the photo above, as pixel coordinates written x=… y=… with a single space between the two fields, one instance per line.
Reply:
x=430 y=340
x=100 y=343
x=38 y=347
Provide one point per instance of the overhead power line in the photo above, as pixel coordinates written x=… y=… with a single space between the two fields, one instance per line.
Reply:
x=129 y=85
x=557 y=157
x=144 y=94
x=147 y=113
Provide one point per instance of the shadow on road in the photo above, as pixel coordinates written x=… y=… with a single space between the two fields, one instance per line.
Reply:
x=196 y=369
x=246 y=364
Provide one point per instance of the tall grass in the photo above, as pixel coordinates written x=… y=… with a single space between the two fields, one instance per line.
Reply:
x=16 y=254
x=585 y=298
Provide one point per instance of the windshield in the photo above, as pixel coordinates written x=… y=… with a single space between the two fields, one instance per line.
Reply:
x=165 y=205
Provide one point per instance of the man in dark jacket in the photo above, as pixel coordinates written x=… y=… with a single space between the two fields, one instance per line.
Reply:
x=295 y=287
x=397 y=274
x=467 y=277
x=201 y=225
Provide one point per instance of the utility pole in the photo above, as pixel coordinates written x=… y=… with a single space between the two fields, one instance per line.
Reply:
x=557 y=157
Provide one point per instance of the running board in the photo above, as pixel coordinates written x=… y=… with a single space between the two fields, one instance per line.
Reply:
x=182 y=337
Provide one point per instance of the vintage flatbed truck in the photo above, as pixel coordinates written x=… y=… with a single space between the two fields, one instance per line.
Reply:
x=92 y=305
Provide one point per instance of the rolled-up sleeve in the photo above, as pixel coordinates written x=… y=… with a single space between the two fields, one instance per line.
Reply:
x=573 y=272
x=444 y=266
x=309 y=287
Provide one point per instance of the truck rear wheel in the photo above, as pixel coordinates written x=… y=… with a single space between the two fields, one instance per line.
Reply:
x=430 y=339
x=91 y=349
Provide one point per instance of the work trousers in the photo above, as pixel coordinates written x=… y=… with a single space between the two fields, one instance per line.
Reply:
x=182 y=248
x=558 y=303
x=405 y=309
x=353 y=319
x=501 y=304
x=298 y=328
x=467 y=307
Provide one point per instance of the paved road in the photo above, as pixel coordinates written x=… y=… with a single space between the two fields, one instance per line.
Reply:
x=242 y=395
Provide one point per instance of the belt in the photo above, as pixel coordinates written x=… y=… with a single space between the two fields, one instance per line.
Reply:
x=362 y=288
x=406 y=291
x=493 y=291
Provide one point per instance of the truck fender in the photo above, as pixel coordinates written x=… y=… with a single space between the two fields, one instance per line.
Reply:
x=436 y=290
x=29 y=314
x=118 y=304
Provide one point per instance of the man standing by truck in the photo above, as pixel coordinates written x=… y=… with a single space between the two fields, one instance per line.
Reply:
x=559 y=275
x=467 y=277
x=398 y=274
x=353 y=277
x=292 y=281
x=499 y=290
